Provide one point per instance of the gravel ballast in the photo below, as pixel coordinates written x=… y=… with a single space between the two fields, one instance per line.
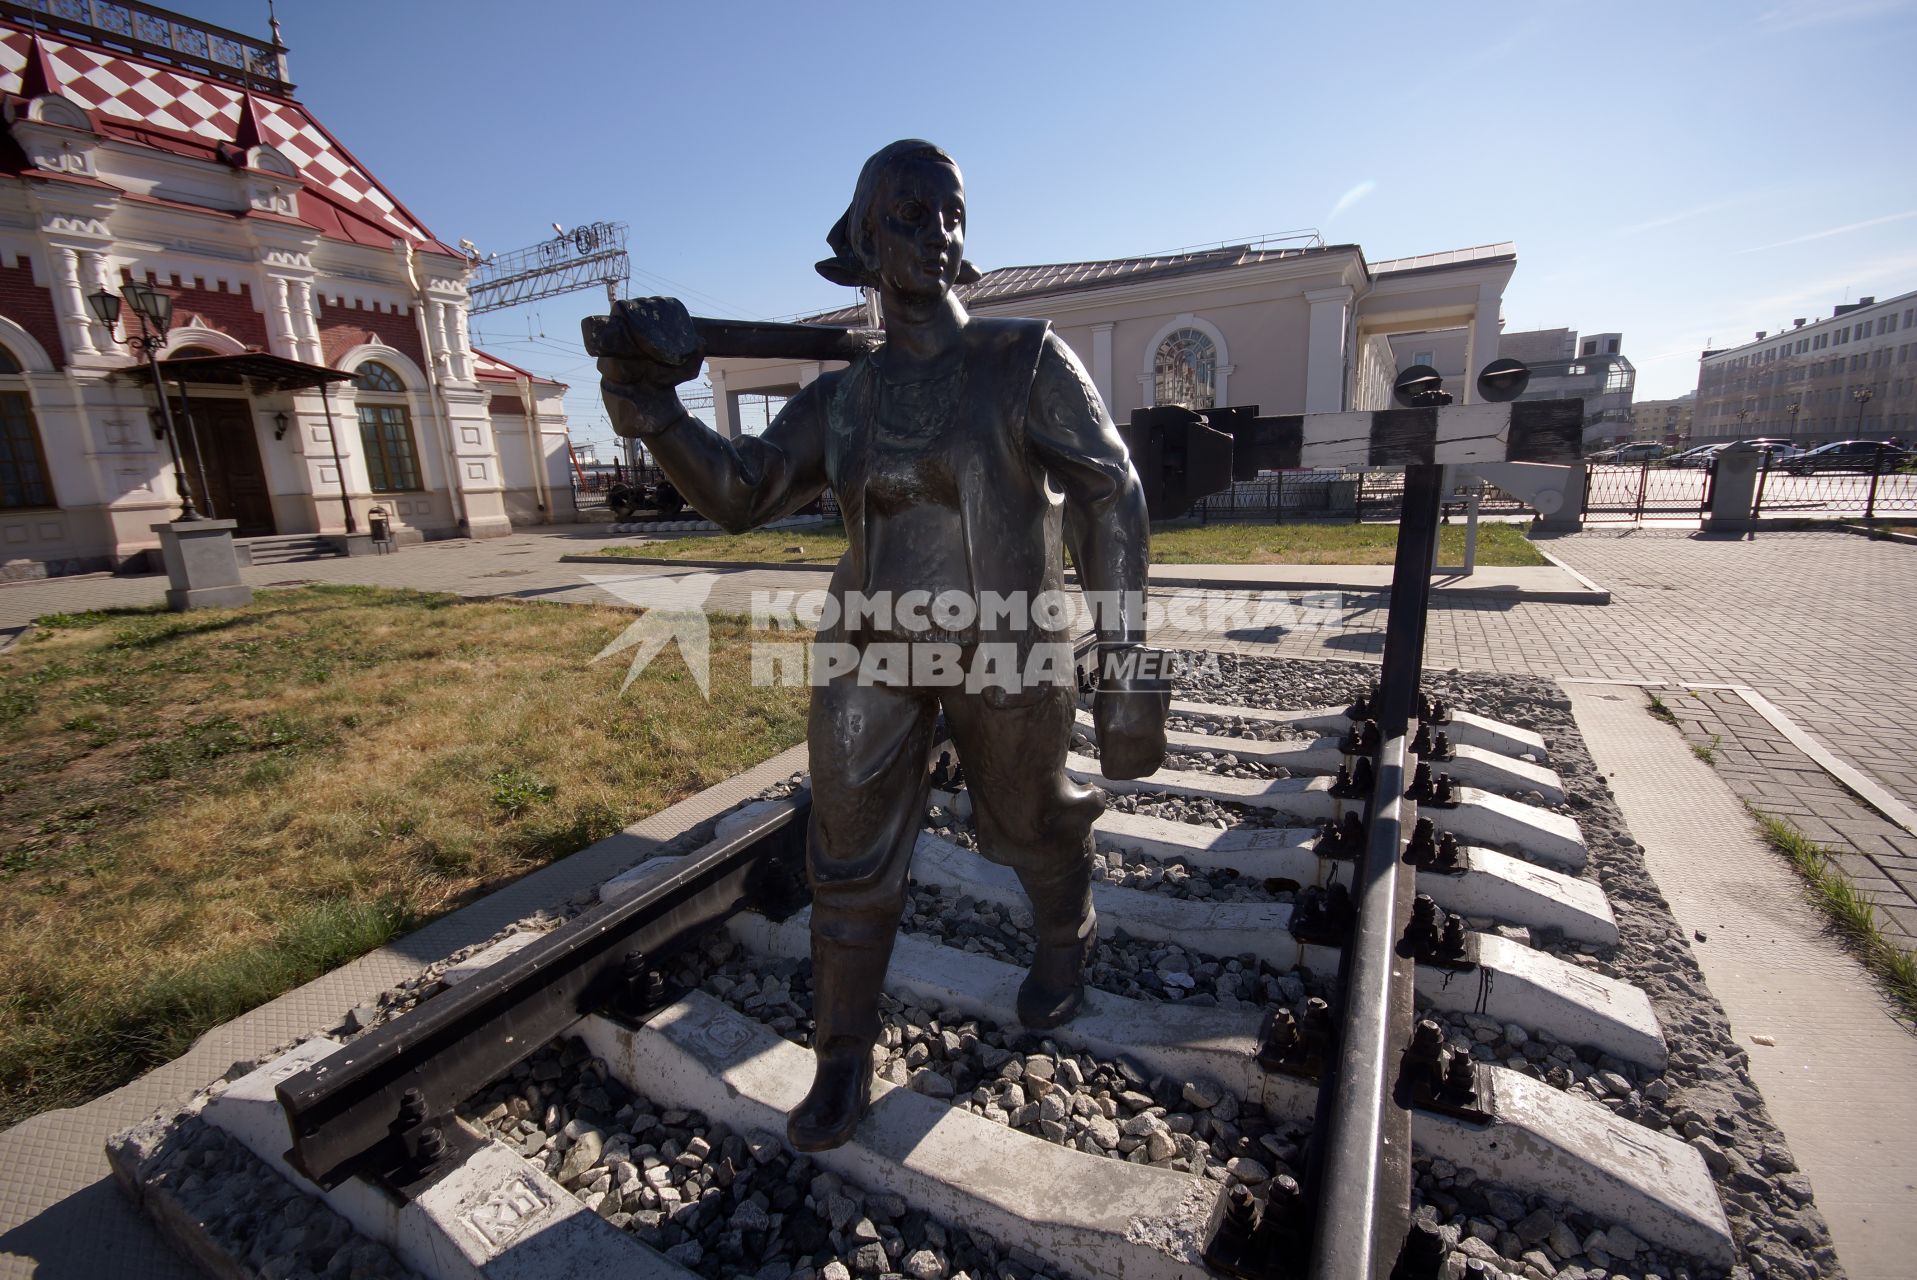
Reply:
x=1705 y=1095
x=733 y=1204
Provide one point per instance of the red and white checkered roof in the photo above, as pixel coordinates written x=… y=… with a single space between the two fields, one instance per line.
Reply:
x=145 y=94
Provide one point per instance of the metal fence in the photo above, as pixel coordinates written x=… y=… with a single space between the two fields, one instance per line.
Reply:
x=1641 y=491
x=1333 y=496
x=1869 y=495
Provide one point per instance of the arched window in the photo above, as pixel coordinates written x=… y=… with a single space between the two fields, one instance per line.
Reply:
x=386 y=430
x=374 y=376
x=1185 y=370
x=23 y=466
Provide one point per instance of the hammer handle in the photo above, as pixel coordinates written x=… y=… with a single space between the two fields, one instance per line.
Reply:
x=739 y=340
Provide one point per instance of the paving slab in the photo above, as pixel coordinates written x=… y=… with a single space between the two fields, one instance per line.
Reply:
x=1841 y=1076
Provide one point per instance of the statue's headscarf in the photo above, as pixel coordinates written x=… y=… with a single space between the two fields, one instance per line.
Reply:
x=844 y=266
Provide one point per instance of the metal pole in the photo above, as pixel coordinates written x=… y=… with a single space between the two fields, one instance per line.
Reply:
x=339 y=463
x=1362 y=1137
x=1643 y=483
x=187 y=513
x=1870 y=498
x=1763 y=475
x=199 y=454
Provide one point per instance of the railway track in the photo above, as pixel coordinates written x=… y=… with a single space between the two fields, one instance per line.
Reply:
x=1267 y=1078
x=455 y=1077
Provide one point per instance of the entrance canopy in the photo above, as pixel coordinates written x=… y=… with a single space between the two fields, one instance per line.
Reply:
x=263 y=369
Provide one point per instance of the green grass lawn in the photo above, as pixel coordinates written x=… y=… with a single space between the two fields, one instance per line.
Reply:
x=199 y=812
x=1498 y=545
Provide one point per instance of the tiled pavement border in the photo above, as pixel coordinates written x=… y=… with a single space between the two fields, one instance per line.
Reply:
x=61 y=1217
x=1774 y=776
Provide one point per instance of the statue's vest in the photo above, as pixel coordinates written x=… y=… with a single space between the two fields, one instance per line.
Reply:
x=1011 y=518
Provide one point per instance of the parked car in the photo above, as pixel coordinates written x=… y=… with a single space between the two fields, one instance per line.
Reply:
x=1698 y=457
x=1850 y=455
x=1636 y=451
x=1780 y=449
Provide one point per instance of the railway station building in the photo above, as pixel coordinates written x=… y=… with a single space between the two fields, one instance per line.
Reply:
x=1291 y=327
x=318 y=361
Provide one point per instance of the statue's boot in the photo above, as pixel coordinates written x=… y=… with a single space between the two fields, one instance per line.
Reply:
x=848 y=968
x=1067 y=930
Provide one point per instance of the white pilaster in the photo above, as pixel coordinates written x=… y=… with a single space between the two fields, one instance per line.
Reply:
x=1325 y=353
x=724 y=420
x=279 y=320
x=1481 y=340
x=462 y=342
x=93 y=270
x=76 y=324
x=305 y=326
x=1102 y=364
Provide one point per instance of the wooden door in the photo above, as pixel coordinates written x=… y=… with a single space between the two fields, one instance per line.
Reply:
x=231 y=483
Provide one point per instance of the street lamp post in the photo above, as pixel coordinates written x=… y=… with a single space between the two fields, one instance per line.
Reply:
x=155 y=310
x=1793 y=409
x=1862 y=395
x=332 y=435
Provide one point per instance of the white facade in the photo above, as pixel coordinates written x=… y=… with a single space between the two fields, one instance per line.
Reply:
x=269 y=241
x=1290 y=331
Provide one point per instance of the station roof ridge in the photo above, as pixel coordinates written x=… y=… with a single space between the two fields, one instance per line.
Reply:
x=1003 y=284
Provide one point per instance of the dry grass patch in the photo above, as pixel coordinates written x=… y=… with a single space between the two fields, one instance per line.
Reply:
x=820 y=544
x=198 y=812
x=1498 y=545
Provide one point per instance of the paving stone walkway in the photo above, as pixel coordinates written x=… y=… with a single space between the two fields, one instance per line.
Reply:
x=1769 y=773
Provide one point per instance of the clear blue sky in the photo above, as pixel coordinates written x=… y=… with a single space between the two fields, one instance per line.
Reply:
x=1682 y=172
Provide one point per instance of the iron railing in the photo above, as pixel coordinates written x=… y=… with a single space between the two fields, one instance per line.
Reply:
x=1643 y=491
x=1878 y=491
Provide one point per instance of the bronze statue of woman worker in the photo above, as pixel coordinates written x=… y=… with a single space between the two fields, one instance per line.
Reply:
x=963 y=453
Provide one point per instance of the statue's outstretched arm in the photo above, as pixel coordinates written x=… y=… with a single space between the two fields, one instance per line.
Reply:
x=738 y=484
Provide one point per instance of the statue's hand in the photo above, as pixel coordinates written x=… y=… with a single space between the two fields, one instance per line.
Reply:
x=1129 y=714
x=648 y=347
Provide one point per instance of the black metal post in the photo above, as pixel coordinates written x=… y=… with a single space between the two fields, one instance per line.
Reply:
x=339 y=463
x=199 y=454
x=1870 y=498
x=187 y=513
x=1763 y=476
x=1362 y=1139
x=1643 y=483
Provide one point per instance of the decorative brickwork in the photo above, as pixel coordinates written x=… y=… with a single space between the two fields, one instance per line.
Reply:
x=31 y=307
x=217 y=307
x=344 y=327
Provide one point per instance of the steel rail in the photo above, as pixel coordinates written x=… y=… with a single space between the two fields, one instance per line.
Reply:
x=1362 y=1151
x=342 y=1110
x=353 y=1110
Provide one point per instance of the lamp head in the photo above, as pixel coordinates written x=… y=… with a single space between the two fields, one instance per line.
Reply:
x=105 y=306
x=153 y=306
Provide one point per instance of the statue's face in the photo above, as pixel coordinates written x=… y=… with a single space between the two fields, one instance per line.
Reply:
x=918 y=229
